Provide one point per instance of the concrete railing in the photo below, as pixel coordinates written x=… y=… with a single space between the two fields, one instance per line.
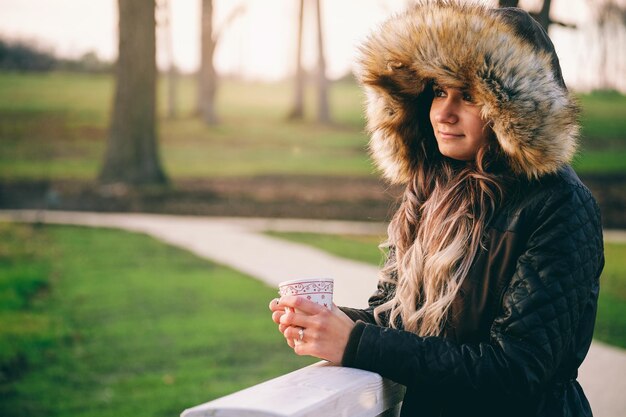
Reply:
x=317 y=390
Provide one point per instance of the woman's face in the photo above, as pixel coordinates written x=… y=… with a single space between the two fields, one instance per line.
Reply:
x=456 y=121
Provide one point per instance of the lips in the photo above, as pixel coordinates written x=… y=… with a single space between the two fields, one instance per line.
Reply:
x=448 y=135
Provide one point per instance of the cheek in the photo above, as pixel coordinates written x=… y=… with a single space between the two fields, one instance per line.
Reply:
x=479 y=129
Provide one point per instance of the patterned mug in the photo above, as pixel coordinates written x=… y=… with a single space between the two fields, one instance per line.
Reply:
x=318 y=290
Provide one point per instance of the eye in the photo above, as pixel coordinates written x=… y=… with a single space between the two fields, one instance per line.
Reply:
x=468 y=97
x=438 y=92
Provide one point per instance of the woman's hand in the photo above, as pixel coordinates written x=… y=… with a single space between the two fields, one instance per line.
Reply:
x=277 y=313
x=325 y=332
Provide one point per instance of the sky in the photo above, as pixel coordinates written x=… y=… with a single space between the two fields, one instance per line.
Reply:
x=261 y=42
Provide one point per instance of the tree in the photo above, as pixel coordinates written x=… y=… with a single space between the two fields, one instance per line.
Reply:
x=132 y=155
x=543 y=16
x=207 y=76
x=610 y=20
x=21 y=56
x=165 y=24
x=323 y=108
x=297 y=111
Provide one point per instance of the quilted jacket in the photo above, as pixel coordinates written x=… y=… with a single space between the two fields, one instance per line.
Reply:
x=523 y=319
x=521 y=325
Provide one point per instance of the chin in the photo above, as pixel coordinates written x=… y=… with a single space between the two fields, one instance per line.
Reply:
x=457 y=156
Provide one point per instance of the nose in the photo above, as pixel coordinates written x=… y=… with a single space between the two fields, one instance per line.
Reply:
x=445 y=110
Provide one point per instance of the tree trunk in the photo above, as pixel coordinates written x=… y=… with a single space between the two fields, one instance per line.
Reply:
x=297 y=111
x=132 y=155
x=207 y=77
x=172 y=91
x=323 y=108
x=172 y=71
x=543 y=17
x=508 y=3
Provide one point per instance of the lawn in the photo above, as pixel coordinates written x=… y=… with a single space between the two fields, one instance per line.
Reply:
x=603 y=144
x=611 y=319
x=98 y=322
x=54 y=126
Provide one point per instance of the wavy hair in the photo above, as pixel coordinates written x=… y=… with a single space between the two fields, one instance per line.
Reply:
x=435 y=235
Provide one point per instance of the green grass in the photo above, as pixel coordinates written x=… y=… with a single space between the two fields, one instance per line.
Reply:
x=97 y=322
x=358 y=248
x=603 y=118
x=54 y=126
x=611 y=319
x=603 y=143
x=611 y=322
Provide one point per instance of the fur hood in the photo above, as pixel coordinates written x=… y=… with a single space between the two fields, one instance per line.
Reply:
x=501 y=56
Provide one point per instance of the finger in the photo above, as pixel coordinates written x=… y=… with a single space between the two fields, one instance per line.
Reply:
x=296 y=319
x=298 y=334
x=302 y=349
x=304 y=346
x=274 y=305
x=290 y=340
x=301 y=303
x=291 y=333
x=282 y=327
x=276 y=315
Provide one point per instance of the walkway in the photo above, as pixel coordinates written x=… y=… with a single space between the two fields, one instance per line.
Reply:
x=240 y=244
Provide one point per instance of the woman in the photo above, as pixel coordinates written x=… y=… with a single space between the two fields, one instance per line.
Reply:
x=487 y=301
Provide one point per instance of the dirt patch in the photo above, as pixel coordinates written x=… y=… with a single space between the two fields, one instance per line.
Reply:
x=346 y=198
x=267 y=196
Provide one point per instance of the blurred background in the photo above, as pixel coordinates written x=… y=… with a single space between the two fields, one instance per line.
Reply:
x=256 y=105
x=219 y=108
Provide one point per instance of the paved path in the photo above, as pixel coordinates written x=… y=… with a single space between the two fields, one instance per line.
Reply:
x=239 y=244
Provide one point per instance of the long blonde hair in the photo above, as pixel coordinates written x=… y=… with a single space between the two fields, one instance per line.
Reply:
x=434 y=237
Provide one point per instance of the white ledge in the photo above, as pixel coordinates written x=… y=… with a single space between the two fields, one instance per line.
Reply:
x=317 y=390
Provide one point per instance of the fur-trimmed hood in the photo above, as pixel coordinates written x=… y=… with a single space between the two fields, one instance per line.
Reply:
x=501 y=56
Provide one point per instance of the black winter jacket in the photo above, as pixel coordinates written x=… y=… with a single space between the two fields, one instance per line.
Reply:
x=522 y=323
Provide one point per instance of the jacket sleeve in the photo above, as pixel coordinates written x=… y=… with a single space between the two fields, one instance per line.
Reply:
x=555 y=279
x=366 y=315
x=384 y=292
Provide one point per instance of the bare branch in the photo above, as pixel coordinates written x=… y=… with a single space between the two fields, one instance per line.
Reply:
x=234 y=14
